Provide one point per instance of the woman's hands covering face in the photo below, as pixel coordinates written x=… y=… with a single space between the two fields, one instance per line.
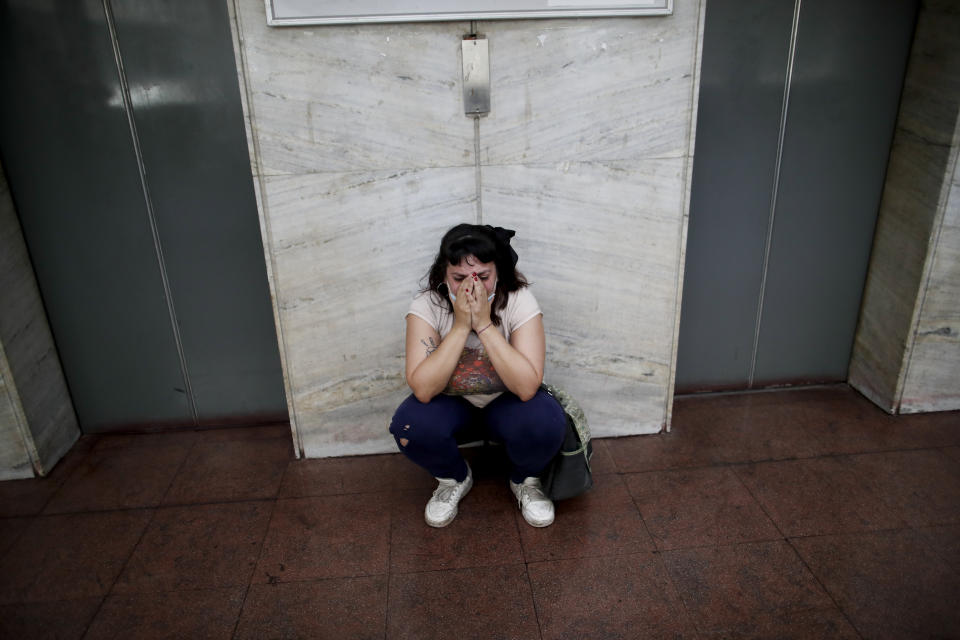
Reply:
x=478 y=303
x=462 y=315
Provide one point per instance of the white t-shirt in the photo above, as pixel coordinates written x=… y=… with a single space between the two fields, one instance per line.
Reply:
x=475 y=378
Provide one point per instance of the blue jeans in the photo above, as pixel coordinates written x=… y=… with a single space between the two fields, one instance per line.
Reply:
x=530 y=431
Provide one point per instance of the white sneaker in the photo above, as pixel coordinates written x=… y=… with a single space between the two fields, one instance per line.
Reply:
x=537 y=509
x=442 y=508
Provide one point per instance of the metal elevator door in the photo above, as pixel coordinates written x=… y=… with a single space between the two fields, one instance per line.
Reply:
x=122 y=137
x=798 y=102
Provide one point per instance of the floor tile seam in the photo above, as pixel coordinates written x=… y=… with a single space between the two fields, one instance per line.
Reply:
x=403 y=574
x=923 y=527
x=63 y=483
x=954 y=569
x=758 y=502
x=362 y=576
x=123 y=568
x=740 y=463
x=629 y=554
x=904 y=525
x=19 y=517
x=61 y=514
x=700 y=628
x=711 y=465
x=243 y=603
x=275 y=580
x=135 y=593
x=726 y=545
x=839 y=386
x=713 y=630
x=263 y=541
x=89 y=623
x=486 y=565
x=214 y=503
x=636 y=507
x=256 y=564
x=19 y=603
x=827 y=591
x=677 y=593
x=386 y=605
x=853 y=476
x=884 y=499
x=730 y=545
x=517 y=515
x=862 y=532
x=176 y=474
x=13 y=543
x=101 y=449
x=352 y=493
x=932 y=448
x=152 y=507
x=187 y=445
x=283 y=478
x=533 y=600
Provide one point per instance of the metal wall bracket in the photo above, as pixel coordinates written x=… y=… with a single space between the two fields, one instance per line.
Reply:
x=476 y=75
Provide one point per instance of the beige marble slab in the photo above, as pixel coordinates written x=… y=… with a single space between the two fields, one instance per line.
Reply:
x=896 y=272
x=933 y=375
x=15 y=459
x=599 y=243
x=355 y=97
x=38 y=416
x=906 y=354
x=349 y=251
x=583 y=90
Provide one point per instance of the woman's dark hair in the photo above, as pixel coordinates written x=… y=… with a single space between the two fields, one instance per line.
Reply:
x=486 y=244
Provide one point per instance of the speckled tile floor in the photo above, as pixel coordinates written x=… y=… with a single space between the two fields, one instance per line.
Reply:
x=791 y=514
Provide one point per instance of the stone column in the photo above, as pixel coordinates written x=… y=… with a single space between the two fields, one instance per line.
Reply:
x=906 y=356
x=37 y=422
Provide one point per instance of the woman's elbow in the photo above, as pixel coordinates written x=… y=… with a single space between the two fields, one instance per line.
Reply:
x=421 y=392
x=528 y=393
x=423 y=396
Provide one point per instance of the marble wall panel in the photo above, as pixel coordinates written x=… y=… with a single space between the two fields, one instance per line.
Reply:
x=581 y=90
x=896 y=272
x=933 y=375
x=38 y=416
x=349 y=252
x=15 y=459
x=599 y=242
x=355 y=97
x=906 y=353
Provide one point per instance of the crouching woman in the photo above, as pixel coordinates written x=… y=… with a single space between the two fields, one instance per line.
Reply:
x=474 y=355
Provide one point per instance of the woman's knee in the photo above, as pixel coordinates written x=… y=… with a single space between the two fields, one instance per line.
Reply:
x=425 y=423
x=538 y=420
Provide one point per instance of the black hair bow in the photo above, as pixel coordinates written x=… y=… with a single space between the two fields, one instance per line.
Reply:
x=503 y=236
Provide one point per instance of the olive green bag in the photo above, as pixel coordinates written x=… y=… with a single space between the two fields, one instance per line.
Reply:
x=568 y=474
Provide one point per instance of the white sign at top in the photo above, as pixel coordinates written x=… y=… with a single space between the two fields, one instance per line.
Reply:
x=307 y=12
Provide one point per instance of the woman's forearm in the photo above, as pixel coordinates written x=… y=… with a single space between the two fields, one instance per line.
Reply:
x=515 y=370
x=432 y=375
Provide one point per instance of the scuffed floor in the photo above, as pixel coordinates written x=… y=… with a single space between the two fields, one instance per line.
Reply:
x=791 y=514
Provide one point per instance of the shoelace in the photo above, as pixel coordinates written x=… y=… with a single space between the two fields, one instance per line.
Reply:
x=447 y=492
x=529 y=493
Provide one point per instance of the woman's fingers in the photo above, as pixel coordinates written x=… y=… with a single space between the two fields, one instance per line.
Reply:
x=462 y=304
x=466 y=290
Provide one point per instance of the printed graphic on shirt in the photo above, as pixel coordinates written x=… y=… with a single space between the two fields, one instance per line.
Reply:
x=474 y=375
